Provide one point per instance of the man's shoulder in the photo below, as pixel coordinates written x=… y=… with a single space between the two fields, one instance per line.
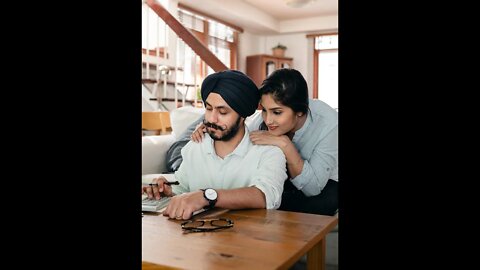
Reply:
x=267 y=149
x=268 y=154
x=192 y=146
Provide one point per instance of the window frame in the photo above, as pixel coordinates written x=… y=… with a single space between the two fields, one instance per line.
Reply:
x=315 y=60
x=205 y=38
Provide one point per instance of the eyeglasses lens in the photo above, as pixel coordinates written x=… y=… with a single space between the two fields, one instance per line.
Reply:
x=193 y=224
x=220 y=223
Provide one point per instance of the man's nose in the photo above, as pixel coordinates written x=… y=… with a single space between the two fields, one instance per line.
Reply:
x=213 y=117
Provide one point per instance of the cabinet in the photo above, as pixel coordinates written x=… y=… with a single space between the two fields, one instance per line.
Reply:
x=260 y=66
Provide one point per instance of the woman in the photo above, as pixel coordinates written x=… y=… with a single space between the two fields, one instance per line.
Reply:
x=307 y=132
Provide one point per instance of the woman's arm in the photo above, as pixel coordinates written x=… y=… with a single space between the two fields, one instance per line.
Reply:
x=310 y=175
x=294 y=160
x=318 y=167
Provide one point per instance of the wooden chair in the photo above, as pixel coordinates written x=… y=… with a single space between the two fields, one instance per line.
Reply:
x=156 y=121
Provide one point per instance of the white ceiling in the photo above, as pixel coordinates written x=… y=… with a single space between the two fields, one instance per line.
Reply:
x=271 y=16
x=279 y=9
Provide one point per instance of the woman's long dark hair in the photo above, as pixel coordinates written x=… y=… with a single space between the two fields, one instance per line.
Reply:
x=287 y=87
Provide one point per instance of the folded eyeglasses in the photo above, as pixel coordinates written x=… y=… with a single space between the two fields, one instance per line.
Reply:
x=206 y=225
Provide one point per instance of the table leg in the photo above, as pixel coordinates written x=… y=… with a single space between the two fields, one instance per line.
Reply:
x=316 y=256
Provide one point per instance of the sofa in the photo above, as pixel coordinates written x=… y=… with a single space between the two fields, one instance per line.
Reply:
x=154 y=148
x=154 y=153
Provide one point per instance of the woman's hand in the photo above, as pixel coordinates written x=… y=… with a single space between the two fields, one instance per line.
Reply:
x=294 y=160
x=262 y=137
x=198 y=133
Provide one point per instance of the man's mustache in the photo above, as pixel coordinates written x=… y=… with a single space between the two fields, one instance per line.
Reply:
x=212 y=125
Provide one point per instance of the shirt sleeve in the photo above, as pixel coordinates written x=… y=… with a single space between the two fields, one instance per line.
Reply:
x=181 y=175
x=271 y=175
x=317 y=169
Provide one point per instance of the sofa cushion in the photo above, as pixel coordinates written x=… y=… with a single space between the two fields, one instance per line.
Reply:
x=182 y=117
x=154 y=149
x=174 y=154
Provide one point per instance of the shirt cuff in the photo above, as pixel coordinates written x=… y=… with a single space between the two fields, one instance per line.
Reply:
x=305 y=178
x=270 y=202
x=301 y=180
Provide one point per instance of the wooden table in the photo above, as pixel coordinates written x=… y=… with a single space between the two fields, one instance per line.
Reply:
x=259 y=239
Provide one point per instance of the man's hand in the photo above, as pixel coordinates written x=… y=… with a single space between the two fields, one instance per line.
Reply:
x=182 y=206
x=198 y=133
x=157 y=189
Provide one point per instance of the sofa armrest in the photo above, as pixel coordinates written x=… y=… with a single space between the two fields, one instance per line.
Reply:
x=154 y=151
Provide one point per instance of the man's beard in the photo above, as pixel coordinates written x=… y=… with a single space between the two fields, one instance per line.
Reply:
x=231 y=132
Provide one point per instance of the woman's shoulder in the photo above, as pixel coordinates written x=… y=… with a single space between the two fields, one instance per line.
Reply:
x=323 y=113
x=319 y=105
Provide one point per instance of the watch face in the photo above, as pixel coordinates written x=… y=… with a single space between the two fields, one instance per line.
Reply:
x=211 y=194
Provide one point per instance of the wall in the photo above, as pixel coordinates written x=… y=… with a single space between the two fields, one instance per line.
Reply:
x=297 y=48
x=249 y=44
x=315 y=24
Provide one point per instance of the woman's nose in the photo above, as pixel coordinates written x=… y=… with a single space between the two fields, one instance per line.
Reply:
x=268 y=119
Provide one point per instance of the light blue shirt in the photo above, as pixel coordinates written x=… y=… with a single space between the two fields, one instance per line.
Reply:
x=317 y=143
x=262 y=166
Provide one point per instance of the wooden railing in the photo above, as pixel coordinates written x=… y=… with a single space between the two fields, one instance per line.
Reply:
x=196 y=45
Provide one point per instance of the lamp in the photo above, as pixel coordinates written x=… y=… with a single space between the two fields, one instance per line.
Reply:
x=298 y=3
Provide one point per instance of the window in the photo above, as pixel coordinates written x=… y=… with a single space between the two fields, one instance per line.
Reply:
x=154 y=34
x=220 y=38
x=326 y=69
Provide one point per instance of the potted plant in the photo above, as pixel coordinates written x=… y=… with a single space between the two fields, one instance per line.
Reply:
x=279 y=50
x=199 y=99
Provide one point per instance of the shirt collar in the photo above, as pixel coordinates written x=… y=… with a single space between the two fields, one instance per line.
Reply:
x=242 y=147
x=299 y=133
x=240 y=150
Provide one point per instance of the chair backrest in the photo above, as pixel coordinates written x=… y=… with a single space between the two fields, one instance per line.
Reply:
x=157 y=121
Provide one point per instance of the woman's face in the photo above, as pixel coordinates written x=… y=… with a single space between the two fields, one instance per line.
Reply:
x=279 y=119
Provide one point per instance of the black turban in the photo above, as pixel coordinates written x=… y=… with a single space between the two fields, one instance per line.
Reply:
x=236 y=88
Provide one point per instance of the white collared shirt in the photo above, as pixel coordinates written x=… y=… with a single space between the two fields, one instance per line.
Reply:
x=262 y=166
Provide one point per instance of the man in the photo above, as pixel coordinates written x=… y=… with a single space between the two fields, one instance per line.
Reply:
x=225 y=170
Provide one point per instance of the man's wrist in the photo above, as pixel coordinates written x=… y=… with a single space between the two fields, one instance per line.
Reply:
x=202 y=198
x=210 y=196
